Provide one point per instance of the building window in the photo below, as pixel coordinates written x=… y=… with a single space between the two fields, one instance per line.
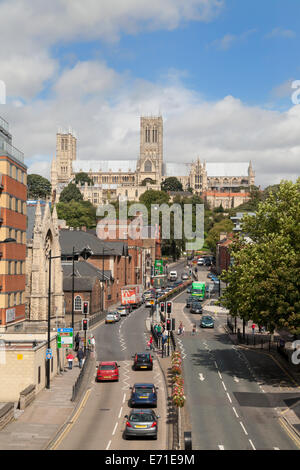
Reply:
x=78 y=303
x=148 y=166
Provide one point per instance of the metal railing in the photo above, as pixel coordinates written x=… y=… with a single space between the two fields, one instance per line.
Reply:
x=77 y=385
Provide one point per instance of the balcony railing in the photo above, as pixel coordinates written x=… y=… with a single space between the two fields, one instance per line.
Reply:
x=4 y=124
x=11 y=150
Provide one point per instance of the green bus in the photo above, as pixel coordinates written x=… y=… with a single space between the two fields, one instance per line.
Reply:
x=198 y=290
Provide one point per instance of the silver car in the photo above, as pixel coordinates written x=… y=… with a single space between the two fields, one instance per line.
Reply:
x=141 y=423
x=117 y=315
x=110 y=318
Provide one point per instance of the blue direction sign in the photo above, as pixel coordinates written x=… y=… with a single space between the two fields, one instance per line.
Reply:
x=48 y=353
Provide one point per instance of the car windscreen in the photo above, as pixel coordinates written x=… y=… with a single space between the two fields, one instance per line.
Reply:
x=141 y=417
x=107 y=367
x=143 y=357
x=143 y=390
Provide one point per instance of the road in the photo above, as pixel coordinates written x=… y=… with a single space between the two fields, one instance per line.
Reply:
x=234 y=396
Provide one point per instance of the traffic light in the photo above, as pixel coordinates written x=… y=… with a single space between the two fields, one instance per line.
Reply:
x=169 y=307
x=85 y=324
x=85 y=307
x=169 y=324
x=162 y=307
x=173 y=324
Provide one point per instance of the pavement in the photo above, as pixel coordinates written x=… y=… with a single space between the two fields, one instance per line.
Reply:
x=36 y=426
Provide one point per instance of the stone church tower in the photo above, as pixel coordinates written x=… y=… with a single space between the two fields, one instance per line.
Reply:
x=150 y=163
x=44 y=237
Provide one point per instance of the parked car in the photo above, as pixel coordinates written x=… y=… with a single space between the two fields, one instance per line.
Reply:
x=141 y=423
x=117 y=315
x=143 y=394
x=107 y=371
x=196 y=307
x=142 y=361
x=110 y=318
x=207 y=322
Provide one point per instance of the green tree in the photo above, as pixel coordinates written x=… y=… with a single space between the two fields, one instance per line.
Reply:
x=225 y=225
x=171 y=184
x=77 y=214
x=82 y=178
x=265 y=276
x=70 y=193
x=38 y=187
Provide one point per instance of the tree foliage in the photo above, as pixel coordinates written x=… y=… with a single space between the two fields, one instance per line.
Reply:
x=264 y=281
x=77 y=214
x=82 y=178
x=38 y=187
x=224 y=225
x=70 y=193
x=171 y=184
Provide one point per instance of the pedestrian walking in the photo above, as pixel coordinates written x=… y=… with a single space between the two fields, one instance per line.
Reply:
x=80 y=356
x=194 y=330
x=182 y=330
x=253 y=328
x=70 y=359
x=77 y=341
x=92 y=343
x=150 y=343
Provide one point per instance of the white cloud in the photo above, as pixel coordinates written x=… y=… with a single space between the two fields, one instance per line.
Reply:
x=281 y=33
x=226 y=130
x=227 y=41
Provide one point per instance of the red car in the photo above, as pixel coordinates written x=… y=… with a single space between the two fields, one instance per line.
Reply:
x=107 y=371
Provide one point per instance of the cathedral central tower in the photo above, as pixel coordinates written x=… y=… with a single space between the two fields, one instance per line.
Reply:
x=150 y=164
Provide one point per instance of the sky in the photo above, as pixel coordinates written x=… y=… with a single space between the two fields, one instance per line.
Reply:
x=220 y=72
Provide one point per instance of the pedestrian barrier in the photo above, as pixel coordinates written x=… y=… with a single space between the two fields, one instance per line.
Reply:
x=77 y=385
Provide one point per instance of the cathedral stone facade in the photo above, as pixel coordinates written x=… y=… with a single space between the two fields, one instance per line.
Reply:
x=115 y=179
x=43 y=238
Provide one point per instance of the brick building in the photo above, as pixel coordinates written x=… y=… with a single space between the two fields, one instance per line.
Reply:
x=13 y=196
x=223 y=259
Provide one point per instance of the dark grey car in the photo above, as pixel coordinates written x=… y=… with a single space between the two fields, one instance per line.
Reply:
x=141 y=423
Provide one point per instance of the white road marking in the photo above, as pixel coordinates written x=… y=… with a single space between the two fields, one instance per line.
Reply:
x=224 y=386
x=243 y=428
x=124 y=397
x=276 y=448
x=108 y=445
x=120 y=412
x=252 y=444
x=220 y=375
x=115 y=428
x=221 y=447
x=229 y=397
x=235 y=412
x=236 y=379
x=201 y=377
x=216 y=365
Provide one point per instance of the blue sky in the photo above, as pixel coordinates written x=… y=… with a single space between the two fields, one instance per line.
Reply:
x=219 y=71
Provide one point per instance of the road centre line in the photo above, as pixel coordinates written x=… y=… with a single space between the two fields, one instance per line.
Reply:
x=243 y=428
x=224 y=386
x=220 y=375
x=252 y=445
x=115 y=428
x=108 y=445
x=235 y=412
x=120 y=412
x=124 y=397
x=229 y=397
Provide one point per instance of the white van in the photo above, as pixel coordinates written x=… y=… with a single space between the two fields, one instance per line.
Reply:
x=173 y=275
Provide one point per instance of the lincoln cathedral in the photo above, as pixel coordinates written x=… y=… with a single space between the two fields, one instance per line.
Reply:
x=220 y=183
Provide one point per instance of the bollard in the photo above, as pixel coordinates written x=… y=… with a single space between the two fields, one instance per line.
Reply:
x=187 y=440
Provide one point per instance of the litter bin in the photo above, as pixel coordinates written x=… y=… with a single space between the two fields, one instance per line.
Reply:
x=187 y=440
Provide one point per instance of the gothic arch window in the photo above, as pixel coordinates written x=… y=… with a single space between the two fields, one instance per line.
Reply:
x=148 y=167
x=78 y=303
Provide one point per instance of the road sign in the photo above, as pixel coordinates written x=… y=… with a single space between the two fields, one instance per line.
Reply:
x=159 y=266
x=65 y=337
x=48 y=353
